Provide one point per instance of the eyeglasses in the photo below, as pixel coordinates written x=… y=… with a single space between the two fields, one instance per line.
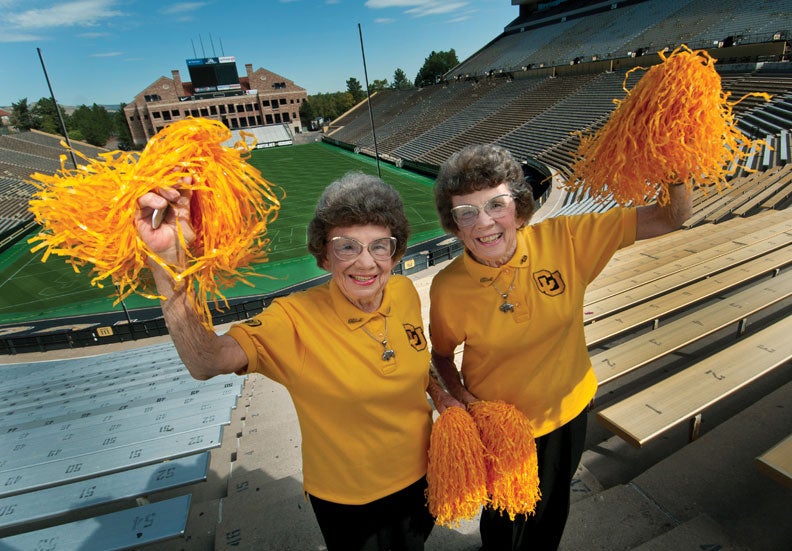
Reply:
x=495 y=207
x=347 y=248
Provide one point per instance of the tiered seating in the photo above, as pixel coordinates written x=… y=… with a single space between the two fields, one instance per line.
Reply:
x=700 y=283
x=91 y=434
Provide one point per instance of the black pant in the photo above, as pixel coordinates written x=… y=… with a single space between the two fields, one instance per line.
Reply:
x=559 y=454
x=398 y=522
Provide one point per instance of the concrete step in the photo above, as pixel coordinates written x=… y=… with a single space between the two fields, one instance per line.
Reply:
x=619 y=518
x=707 y=493
x=699 y=534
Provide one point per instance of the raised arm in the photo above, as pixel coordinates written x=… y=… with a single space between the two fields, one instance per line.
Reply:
x=654 y=220
x=204 y=353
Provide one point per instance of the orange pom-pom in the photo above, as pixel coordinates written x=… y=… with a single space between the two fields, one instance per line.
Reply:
x=456 y=474
x=510 y=457
x=88 y=214
x=674 y=126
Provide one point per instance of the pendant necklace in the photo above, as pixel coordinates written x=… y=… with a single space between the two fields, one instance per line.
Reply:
x=387 y=353
x=507 y=306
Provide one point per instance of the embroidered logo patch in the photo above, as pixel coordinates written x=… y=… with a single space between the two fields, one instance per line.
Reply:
x=415 y=336
x=549 y=283
x=252 y=322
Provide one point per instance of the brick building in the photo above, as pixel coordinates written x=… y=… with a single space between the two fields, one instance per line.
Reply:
x=261 y=98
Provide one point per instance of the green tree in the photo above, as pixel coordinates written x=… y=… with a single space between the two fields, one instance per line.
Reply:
x=400 y=80
x=436 y=65
x=22 y=117
x=379 y=84
x=46 y=115
x=121 y=129
x=355 y=89
x=94 y=124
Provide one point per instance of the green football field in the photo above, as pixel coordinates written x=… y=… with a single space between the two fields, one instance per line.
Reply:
x=32 y=290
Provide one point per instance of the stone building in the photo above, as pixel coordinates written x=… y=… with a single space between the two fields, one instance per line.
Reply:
x=261 y=98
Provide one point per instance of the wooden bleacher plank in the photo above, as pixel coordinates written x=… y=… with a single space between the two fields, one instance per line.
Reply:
x=655 y=285
x=771 y=235
x=139 y=482
x=26 y=479
x=653 y=253
x=765 y=194
x=777 y=462
x=639 y=351
x=124 y=529
x=645 y=312
x=680 y=397
x=778 y=196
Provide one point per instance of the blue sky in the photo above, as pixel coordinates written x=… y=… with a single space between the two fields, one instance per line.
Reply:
x=106 y=51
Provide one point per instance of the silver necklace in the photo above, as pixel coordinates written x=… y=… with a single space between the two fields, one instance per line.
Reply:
x=387 y=353
x=507 y=306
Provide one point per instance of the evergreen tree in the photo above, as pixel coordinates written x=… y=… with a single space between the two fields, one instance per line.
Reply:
x=435 y=66
x=400 y=80
x=22 y=117
x=355 y=89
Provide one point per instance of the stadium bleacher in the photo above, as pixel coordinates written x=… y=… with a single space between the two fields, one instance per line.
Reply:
x=689 y=439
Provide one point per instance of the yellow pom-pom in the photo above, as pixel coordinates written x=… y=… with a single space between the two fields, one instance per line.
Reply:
x=510 y=457
x=456 y=474
x=675 y=125
x=88 y=214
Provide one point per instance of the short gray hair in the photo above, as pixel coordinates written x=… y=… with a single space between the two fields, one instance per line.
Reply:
x=357 y=199
x=478 y=167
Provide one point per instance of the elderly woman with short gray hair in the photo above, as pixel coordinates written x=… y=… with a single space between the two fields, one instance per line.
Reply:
x=352 y=353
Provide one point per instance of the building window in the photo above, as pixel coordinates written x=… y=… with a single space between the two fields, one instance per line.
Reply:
x=251 y=121
x=175 y=112
x=268 y=118
x=155 y=114
x=151 y=97
x=248 y=107
x=286 y=117
x=283 y=101
x=166 y=116
x=222 y=110
x=204 y=112
x=265 y=103
x=277 y=118
x=194 y=112
x=213 y=110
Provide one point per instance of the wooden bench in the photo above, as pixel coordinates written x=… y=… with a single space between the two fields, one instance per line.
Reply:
x=91 y=434
x=648 y=347
x=777 y=462
x=694 y=263
x=683 y=397
x=654 y=310
x=670 y=248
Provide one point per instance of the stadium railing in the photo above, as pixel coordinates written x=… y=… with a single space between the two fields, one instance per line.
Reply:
x=418 y=258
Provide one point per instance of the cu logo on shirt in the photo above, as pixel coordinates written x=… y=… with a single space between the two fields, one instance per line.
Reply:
x=550 y=283
x=415 y=336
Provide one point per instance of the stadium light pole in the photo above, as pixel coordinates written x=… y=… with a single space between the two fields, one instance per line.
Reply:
x=57 y=109
x=368 y=98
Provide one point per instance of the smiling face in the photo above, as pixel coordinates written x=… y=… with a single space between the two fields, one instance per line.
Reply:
x=362 y=280
x=491 y=241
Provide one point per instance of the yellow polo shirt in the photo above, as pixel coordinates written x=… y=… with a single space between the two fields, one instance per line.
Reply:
x=365 y=421
x=536 y=356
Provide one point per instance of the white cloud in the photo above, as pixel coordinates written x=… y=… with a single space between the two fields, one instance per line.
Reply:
x=19 y=37
x=435 y=8
x=183 y=7
x=84 y=13
x=107 y=54
x=418 y=8
x=377 y=4
x=384 y=20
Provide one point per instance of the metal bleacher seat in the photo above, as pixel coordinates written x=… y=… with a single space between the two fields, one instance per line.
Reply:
x=99 y=432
